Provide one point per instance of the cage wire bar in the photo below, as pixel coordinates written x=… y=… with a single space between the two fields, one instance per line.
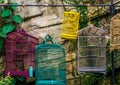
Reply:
x=50 y=65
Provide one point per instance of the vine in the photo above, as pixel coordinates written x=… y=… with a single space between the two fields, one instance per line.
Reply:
x=9 y=21
x=8 y=80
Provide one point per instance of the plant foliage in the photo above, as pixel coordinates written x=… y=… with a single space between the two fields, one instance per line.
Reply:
x=7 y=28
x=6 y=13
x=1 y=1
x=14 y=7
x=7 y=80
x=8 y=20
x=17 y=19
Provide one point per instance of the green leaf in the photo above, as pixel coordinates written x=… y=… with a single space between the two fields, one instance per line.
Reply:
x=1 y=1
x=14 y=7
x=13 y=82
x=20 y=78
x=8 y=28
x=2 y=83
x=17 y=19
x=6 y=12
x=2 y=34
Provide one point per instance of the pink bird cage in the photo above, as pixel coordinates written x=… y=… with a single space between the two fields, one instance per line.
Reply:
x=19 y=53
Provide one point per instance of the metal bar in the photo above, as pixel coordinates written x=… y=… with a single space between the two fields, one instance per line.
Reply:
x=57 y=5
x=112 y=8
x=61 y=5
x=113 y=75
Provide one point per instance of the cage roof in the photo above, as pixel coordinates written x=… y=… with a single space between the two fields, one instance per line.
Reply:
x=21 y=34
x=117 y=16
x=91 y=31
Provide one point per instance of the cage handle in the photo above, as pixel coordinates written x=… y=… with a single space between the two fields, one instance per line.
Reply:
x=48 y=38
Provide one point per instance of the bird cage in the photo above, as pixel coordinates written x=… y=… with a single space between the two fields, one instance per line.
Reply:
x=115 y=32
x=19 y=53
x=91 y=50
x=50 y=67
x=70 y=25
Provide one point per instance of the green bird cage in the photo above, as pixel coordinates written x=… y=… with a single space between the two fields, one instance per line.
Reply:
x=50 y=66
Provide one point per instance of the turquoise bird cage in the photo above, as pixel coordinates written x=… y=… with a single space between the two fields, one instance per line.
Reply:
x=50 y=66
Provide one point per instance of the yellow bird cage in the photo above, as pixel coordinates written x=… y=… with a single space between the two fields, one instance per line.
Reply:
x=115 y=32
x=70 y=25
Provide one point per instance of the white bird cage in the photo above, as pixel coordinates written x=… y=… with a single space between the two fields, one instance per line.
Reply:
x=91 y=50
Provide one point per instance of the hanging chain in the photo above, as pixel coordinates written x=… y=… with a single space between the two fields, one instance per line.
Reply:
x=89 y=13
x=47 y=21
x=23 y=8
x=47 y=18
